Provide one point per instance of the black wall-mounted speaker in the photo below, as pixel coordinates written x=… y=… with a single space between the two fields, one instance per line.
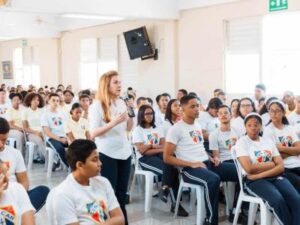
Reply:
x=138 y=43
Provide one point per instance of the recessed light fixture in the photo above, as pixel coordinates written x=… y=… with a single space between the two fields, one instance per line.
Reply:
x=91 y=17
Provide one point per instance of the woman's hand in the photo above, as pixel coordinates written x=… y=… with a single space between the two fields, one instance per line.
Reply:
x=120 y=118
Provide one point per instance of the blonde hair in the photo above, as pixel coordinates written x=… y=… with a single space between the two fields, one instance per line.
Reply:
x=103 y=93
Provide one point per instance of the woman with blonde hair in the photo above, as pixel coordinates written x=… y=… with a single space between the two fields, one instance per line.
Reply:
x=109 y=124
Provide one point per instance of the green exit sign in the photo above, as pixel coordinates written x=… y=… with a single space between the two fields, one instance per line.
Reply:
x=275 y=5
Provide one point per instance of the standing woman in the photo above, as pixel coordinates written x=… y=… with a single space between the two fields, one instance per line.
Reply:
x=284 y=136
x=109 y=124
x=245 y=106
x=262 y=173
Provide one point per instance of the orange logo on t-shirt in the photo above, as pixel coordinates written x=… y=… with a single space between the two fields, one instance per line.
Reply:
x=7 y=215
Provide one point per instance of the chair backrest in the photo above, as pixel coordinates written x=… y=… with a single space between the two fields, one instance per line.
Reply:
x=11 y=142
x=50 y=208
x=238 y=169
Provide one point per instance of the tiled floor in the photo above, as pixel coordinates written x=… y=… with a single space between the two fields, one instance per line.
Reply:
x=160 y=212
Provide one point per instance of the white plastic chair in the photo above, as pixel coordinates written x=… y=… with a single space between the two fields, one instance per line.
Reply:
x=196 y=191
x=29 y=148
x=149 y=181
x=229 y=191
x=11 y=142
x=265 y=214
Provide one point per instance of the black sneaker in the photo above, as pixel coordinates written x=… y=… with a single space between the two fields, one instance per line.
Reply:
x=55 y=166
x=181 y=211
x=163 y=194
x=241 y=220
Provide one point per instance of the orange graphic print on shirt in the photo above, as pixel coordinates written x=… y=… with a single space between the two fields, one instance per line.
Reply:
x=97 y=211
x=263 y=156
x=7 y=215
x=196 y=136
x=153 y=139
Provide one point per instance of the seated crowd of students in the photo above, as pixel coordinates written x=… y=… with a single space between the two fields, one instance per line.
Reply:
x=96 y=132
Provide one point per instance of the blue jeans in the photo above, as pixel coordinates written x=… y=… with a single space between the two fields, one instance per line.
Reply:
x=60 y=148
x=280 y=196
x=226 y=170
x=211 y=183
x=38 y=196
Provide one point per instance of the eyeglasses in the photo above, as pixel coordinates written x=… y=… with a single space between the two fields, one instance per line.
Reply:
x=246 y=105
x=149 y=114
x=275 y=111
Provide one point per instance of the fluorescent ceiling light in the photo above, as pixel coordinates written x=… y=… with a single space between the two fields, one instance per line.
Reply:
x=91 y=17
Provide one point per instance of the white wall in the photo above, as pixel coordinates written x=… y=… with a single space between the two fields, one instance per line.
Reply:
x=154 y=76
x=201 y=42
x=47 y=58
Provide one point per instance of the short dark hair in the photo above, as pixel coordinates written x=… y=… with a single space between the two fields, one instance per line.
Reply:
x=28 y=99
x=86 y=92
x=84 y=96
x=214 y=103
x=225 y=106
x=76 y=105
x=4 y=126
x=138 y=101
x=217 y=90
x=2 y=90
x=141 y=116
x=158 y=97
x=53 y=95
x=79 y=150
x=185 y=99
x=193 y=94
x=150 y=100
x=68 y=91
x=261 y=86
x=183 y=91
x=12 y=95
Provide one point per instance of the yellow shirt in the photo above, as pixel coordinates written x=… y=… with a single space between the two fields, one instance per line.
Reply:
x=78 y=129
x=15 y=116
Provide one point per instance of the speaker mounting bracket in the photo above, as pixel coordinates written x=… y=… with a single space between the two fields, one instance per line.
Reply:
x=153 y=56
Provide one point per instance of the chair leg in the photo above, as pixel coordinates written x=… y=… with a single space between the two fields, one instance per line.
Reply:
x=200 y=206
x=148 y=191
x=252 y=213
x=178 y=198
x=229 y=191
x=193 y=199
x=237 y=211
x=50 y=162
x=30 y=155
x=265 y=215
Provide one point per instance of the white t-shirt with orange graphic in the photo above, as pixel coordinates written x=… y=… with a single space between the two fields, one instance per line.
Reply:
x=13 y=204
x=88 y=205
x=188 y=139
x=260 y=151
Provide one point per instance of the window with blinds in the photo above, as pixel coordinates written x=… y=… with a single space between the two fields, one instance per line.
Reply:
x=26 y=66
x=242 y=56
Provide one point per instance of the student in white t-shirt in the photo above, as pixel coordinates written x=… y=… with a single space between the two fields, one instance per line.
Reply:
x=185 y=140
x=209 y=119
x=246 y=106
x=264 y=111
x=149 y=141
x=85 y=102
x=77 y=127
x=31 y=118
x=53 y=124
x=16 y=168
x=162 y=102
x=84 y=197
x=262 y=173
x=285 y=138
x=173 y=115
x=15 y=206
x=4 y=104
x=68 y=98
x=14 y=117
x=109 y=125
x=234 y=108
x=294 y=117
